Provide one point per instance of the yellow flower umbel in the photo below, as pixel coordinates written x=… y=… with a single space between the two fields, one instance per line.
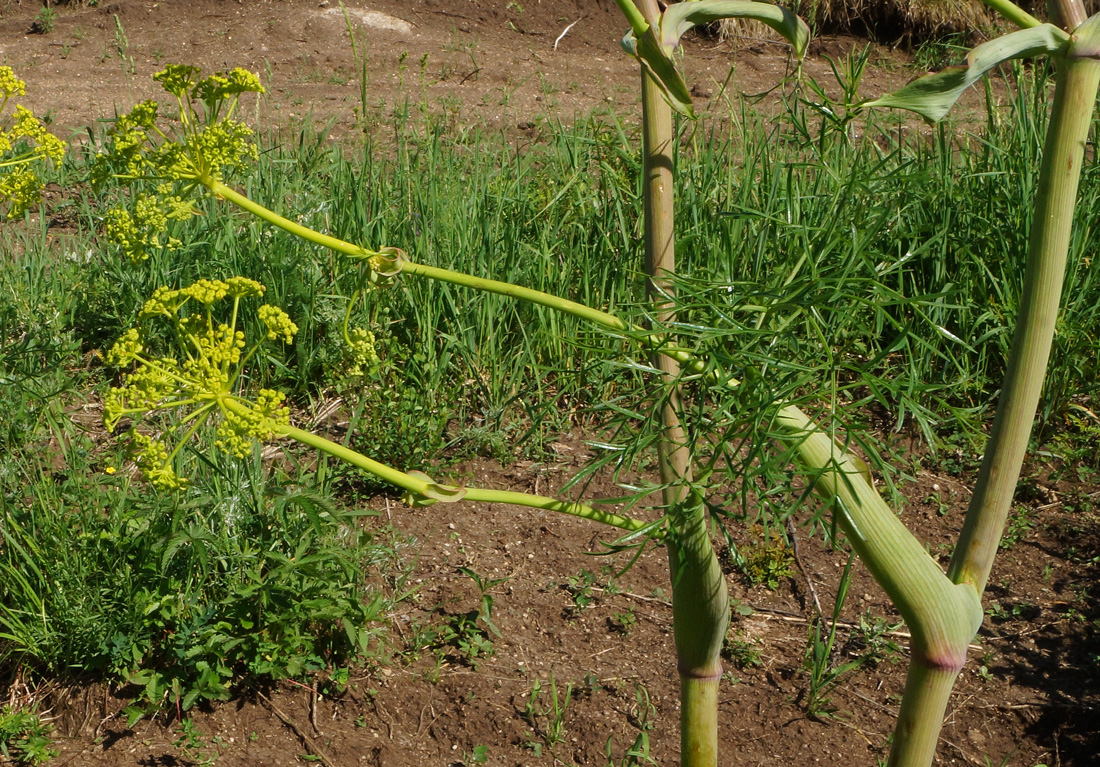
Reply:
x=200 y=381
x=204 y=145
x=24 y=143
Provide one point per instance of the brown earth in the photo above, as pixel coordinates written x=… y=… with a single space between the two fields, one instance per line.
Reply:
x=492 y=62
x=1029 y=695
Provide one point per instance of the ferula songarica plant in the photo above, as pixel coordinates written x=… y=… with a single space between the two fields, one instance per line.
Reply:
x=942 y=610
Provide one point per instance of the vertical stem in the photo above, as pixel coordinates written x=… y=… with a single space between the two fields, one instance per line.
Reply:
x=1074 y=100
x=932 y=673
x=920 y=719
x=700 y=603
x=660 y=255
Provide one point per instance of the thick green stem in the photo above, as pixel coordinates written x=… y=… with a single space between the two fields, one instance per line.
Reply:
x=421 y=487
x=700 y=618
x=929 y=683
x=1074 y=100
x=1013 y=13
x=700 y=602
x=942 y=616
x=920 y=719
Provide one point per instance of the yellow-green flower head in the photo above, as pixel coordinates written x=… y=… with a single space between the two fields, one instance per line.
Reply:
x=151 y=456
x=242 y=287
x=20 y=189
x=202 y=146
x=203 y=380
x=10 y=85
x=240 y=430
x=361 y=349
x=278 y=323
x=163 y=303
x=206 y=291
x=28 y=126
x=24 y=143
x=145 y=229
x=225 y=144
x=220 y=86
x=125 y=350
x=177 y=79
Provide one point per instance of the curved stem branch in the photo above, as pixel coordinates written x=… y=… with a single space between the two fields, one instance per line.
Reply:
x=422 y=487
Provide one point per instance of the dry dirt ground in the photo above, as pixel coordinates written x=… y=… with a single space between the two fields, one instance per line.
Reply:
x=494 y=62
x=1029 y=695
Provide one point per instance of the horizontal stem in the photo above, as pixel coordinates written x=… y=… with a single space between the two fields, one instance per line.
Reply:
x=422 y=487
x=529 y=295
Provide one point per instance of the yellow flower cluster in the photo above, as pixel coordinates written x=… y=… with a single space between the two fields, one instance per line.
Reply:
x=147 y=226
x=364 y=356
x=10 y=85
x=219 y=87
x=25 y=142
x=204 y=146
x=125 y=350
x=151 y=456
x=202 y=379
x=241 y=429
x=278 y=323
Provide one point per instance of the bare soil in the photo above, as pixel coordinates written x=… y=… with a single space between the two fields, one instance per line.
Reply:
x=491 y=62
x=1029 y=695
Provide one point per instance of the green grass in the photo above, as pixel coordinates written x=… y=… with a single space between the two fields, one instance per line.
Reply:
x=871 y=277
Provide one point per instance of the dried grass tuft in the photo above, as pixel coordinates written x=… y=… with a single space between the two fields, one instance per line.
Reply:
x=908 y=21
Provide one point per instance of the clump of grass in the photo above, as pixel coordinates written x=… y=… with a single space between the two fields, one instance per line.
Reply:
x=915 y=23
x=246 y=580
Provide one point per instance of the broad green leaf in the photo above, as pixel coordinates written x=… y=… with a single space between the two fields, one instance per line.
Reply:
x=933 y=95
x=658 y=63
x=680 y=17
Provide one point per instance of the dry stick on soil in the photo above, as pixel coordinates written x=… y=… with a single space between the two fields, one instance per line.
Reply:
x=307 y=741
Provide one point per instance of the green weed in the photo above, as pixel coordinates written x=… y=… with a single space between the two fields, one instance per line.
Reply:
x=24 y=737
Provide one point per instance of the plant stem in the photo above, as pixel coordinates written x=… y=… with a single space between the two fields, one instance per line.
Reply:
x=422 y=487
x=1074 y=100
x=604 y=319
x=930 y=679
x=920 y=719
x=1013 y=13
x=700 y=602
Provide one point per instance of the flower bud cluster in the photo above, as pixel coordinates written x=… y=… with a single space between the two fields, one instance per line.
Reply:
x=362 y=351
x=201 y=379
x=278 y=324
x=146 y=227
x=204 y=145
x=25 y=142
x=242 y=429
